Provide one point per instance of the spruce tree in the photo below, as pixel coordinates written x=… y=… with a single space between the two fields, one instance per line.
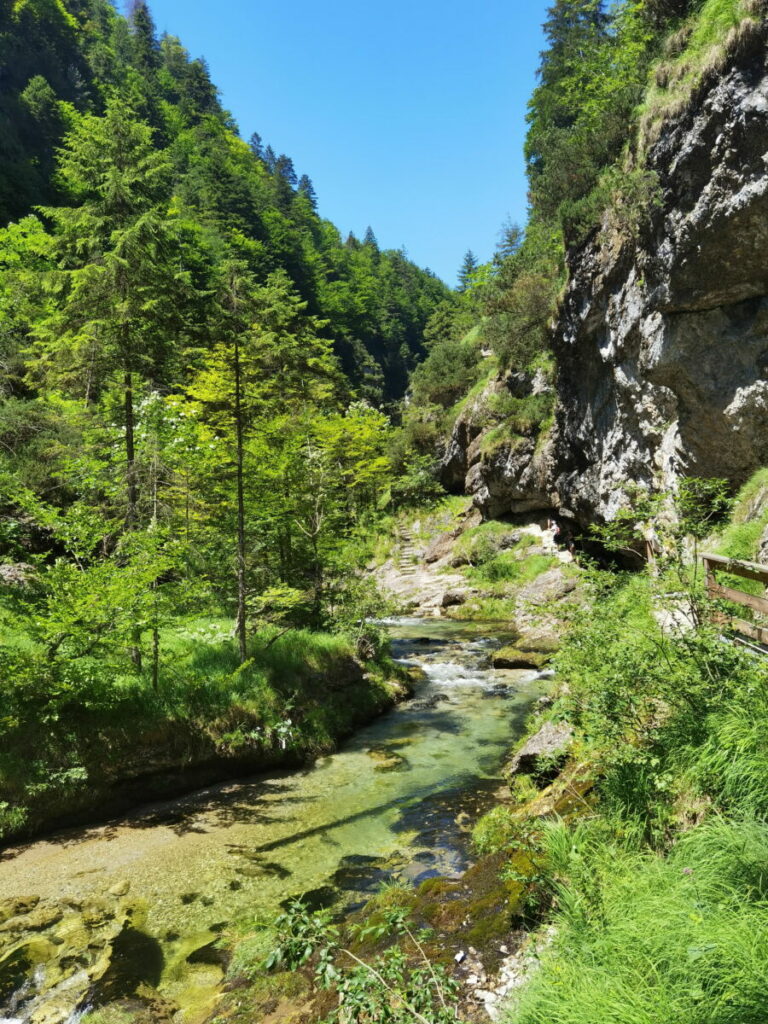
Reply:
x=307 y=189
x=115 y=274
x=146 y=48
x=256 y=145
x=467 y=271
x=270 y=159
x=284 y=167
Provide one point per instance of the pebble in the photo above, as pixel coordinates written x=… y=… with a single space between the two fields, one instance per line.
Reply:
x=514 y=970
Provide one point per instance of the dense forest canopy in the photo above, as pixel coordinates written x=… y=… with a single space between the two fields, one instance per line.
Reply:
x=65 y=65
x=198 y=383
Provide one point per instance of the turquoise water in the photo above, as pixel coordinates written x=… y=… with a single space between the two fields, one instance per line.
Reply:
x=396 y=801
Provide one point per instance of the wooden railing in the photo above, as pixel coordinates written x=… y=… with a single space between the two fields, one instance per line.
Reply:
x=747 y=571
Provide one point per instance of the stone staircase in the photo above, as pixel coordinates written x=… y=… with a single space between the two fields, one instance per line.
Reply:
x=412 y=582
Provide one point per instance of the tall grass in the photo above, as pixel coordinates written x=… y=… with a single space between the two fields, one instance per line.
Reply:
x=741 y=537
x=643 y=939
x=661 y=896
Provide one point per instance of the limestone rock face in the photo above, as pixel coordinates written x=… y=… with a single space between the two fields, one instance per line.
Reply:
x=661 y=341
x=508 y=476
x=662 y=348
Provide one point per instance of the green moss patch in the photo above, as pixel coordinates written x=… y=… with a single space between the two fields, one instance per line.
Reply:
x=513 y=657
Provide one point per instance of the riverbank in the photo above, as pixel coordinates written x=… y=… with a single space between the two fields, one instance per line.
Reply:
x=393 y=806
x=81 y=757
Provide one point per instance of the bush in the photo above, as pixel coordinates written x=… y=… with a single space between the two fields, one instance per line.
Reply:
x=447 y=373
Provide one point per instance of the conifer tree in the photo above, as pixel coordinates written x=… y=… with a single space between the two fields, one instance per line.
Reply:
x=115 y=276
x=468 y=268
x=269 y=365
x=284 y=167
x=256 y=145
x=307 y=189
x=146 y=48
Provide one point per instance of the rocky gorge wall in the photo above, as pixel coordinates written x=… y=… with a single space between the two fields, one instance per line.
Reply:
x=661 y=342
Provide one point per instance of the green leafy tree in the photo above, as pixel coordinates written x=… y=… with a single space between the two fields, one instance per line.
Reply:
x=268 y=368
x=115 y=276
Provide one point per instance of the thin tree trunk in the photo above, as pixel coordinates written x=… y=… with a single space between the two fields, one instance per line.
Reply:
x=240 y=511
x=130 y=451
x=155 y=657
x=130 y=477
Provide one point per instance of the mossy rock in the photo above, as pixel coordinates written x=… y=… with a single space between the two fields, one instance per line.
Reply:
x=514 y=657
x=478 y=910
x=386 y=760
x=569 y=796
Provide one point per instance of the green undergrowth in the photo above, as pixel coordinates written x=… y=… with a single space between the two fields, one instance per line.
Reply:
x=508 y=568
x=297 y=694
x=699 y=45
x=641 y=938
x=487 y=370
x=498 y=560
x=659 y=887
x=482 y=543
x=741 y=537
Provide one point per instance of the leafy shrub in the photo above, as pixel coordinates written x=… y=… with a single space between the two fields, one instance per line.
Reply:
x=447 y=373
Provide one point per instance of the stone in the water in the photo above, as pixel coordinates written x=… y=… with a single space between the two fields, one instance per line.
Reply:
x=429 y=703
x=354 y=860
x=499 y=690
x=386 y=760
x=513 y=657
x=425 y=857
x=361 y=878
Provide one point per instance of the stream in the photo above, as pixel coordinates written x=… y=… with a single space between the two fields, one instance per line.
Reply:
x=394 y=803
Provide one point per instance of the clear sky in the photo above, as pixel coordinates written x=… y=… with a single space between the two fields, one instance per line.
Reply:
x=408 y=115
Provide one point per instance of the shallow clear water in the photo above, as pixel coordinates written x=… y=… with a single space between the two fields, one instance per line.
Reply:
x=395 y=801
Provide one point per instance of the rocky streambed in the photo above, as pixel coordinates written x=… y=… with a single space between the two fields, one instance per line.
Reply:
x=130 y=913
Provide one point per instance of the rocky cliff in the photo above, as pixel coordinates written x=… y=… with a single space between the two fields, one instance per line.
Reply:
x=661 y=341
x=662 y=348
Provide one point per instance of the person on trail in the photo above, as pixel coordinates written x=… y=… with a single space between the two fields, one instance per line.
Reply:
x=553 y=527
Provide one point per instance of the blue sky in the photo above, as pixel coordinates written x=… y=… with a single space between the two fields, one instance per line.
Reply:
x=407 y=115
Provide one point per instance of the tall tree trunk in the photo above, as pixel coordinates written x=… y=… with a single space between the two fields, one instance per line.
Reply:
x=155 y=656
x=240 y=511
x=130 y=452
x=131 y=515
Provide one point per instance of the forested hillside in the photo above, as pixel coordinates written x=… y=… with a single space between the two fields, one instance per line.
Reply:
x=197 y=377
x=67 y=65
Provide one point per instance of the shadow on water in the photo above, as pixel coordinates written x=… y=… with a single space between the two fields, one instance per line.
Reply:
x=328 y=826
x=204 y=811
x=136 y=958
